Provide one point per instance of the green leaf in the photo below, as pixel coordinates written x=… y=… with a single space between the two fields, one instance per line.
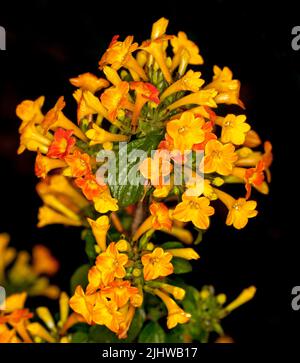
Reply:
x=101 y=334
x=152 y=333
x=199 y=237
x=129 y=194
x=80 y=337
x=171 y=244
x=181 y=266
x=176 y=335
x=90 y=243
x=80 y=277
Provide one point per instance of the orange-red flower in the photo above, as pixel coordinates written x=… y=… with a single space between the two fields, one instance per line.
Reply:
x=62 y=144
x=89 y=82
x=79 y=163
x=89 y=186
x=161 y=218
x=254 y=176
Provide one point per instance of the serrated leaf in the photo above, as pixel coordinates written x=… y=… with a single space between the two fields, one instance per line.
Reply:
x=171 y=244
x=129 y=194
x=79 y=277
x=152 y=333
x=181 y=266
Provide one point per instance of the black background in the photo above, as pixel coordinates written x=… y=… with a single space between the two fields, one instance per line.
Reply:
x=51 y=41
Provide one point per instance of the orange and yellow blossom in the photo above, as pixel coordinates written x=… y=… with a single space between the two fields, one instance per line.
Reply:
x=47 y=215
x=116 y=98
x=191 y=81
x=43 y=262
x=111 y=264
x=33 y=139
x=119 y=54
x=89 y=82
x=239 y=211
x=157 y=264
x=55 y=119
x=100 y=228
x=176 y=315
x=83 y=304
x=62 y=144
x=43 y=165
x=122 y=292
x=105 y=202
x=195 y=209
x=228 y=89
x=79 y=164
x=201 y=98
x=106 y=313
x=90 y=187
x=159 y=219
x=30 y=111
x=144 y=92
x=186 y=131
x=246 y=295
x=185 y=253
x=234 y=128
x=185 y=52
x=98 y=135
x=219 y=158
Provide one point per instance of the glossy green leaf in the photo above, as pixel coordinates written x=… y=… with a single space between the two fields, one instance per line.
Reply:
x=80 y=277
x=152 y=333
x=181 y=266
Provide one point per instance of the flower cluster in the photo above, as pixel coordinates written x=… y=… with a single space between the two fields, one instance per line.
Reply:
x=146 y=92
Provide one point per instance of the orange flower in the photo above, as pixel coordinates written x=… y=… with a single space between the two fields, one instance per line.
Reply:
x=89 y=186
x=239 y=211
x=185 y=52
x=30 y=111
x=208 y=135
x=120 y=292
x=119 y=54
x=62 y=144
x=106 y=313
x=79 y=163
x=105 y=202
x=111 y=264
x=43 y=261
x=254 y=176
x=175 y=314
x=144 y=92
x=43 y=165
x=100 y=228
x=55 y=119
x=186 y=131
x=157 y=264
x=83 y=304
x=89 y=82
x=194 y=209
x=228 y=89
x=160 y=214
x=116 y=98
x=219 y=158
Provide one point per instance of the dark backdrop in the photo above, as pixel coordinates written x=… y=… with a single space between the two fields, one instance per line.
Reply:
x=51 y=41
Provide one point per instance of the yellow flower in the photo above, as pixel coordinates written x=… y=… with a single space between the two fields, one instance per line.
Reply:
x=30 y=112
x=33 y=139
x=106 y=313
x=43 y=165
x=176 y=291
x=97 y=135
x=186 y=253
x=219 y=158
x=121 y=292
x=194 y=209
x=159 y=28
x=112 y=75
x=95 y=280
x=191 y=81
x=186 y=131
x=7 y=254
x=239 y=211
x=89 y=82
x=157 y=264
x=234 y=129
x=185 y=52
x=83 y=304
x=104 y=202
x=119 y=54
x=201 y=98
x=47 y=215
x=245 y=296
x=252 y=139
x=175 y=314
x=100 y=228
x=228 y=88
x=111 y=264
